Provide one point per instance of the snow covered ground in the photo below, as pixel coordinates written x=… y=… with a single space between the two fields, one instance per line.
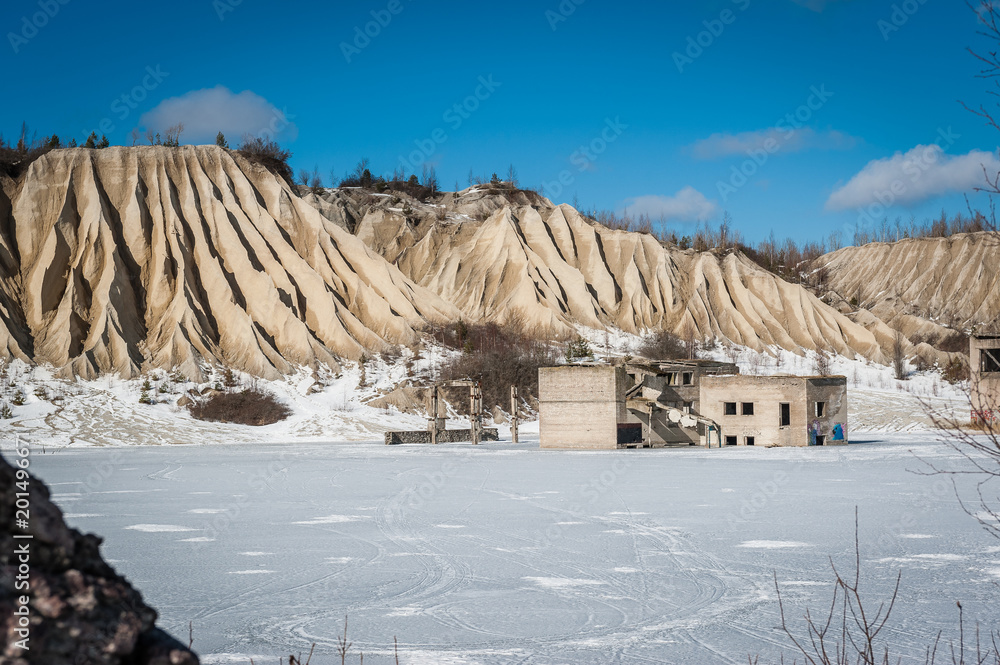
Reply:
x=266 y=538
x=330 y=406
x=505 y=553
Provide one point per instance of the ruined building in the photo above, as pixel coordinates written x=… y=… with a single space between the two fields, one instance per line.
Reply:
x=985 y=361
x=687 y=403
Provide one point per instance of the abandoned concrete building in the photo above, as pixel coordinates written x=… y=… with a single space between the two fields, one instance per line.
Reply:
x=659 y=390
x=777 y=410
x=985 y=361
x=686 y=403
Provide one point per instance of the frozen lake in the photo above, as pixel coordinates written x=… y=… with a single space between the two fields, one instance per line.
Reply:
x=508 y=554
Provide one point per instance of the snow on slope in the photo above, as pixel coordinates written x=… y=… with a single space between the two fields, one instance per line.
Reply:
x=173 y=257
x=335 y=406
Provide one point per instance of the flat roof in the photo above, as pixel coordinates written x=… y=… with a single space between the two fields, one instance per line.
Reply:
x=657 y=364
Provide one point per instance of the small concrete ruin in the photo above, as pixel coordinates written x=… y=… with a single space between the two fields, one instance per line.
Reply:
x=686 y=403
x=437 y=431
x=985 y=378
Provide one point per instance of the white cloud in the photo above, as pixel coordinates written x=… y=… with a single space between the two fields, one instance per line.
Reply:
x=922 y=173
x=211 y=110
x=786 y=140
x=687 y=205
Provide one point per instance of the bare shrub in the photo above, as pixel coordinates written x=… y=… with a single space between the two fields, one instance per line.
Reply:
x=956 y=372
x=978 y=443
x=822 y=365
x=850 y=633
x=265 y=151
x=664 y=345
x=899 y=356
x=251 y=406
x=955 y=342
x=498 y=357
x=17 y=157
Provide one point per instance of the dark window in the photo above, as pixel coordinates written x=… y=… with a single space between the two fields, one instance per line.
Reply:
x=989 y=360
x=688 y=407
x=671 y=379
x=688 y=378
x=786 y=415
x=747 y=408
x=820 y=409
x=751 y=441
x=731 y=441
x=730 y=408
x=820 y=440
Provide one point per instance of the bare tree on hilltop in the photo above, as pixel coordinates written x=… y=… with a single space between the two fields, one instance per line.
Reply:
x=268 y=153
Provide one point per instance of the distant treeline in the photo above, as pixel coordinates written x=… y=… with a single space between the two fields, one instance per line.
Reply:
x=783 y=257
x=786 y=257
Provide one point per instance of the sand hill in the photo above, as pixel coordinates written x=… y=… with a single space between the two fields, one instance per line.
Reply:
x=123 y=259
x=922 y=284
x=555 y=269
x=126 y=258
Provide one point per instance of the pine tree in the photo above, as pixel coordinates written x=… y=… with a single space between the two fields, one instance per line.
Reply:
x=578 y=349
x=54 y=142
x=91 y=141
x=220 y=140
x=104 y=142
x=72 y=143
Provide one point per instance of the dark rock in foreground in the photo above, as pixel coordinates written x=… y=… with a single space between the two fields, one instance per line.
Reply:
x=79 y=610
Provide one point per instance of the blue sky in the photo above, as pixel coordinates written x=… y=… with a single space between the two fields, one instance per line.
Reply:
x=614 y=104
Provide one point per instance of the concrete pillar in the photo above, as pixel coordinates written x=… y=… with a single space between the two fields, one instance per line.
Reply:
x=513 y=414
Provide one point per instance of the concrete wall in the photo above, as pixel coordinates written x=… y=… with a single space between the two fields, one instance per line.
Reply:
x=444 y=436
x=985 y=386
x=767 y=394
x=676 y=395
x=833 y=426
x=580 y=406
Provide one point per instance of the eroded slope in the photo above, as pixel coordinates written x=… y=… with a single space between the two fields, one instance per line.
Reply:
x=136 y=257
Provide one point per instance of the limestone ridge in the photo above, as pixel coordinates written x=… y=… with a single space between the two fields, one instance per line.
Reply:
x=14 y=340
x=128 y=258
x=922 y=284
x=554 y=268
